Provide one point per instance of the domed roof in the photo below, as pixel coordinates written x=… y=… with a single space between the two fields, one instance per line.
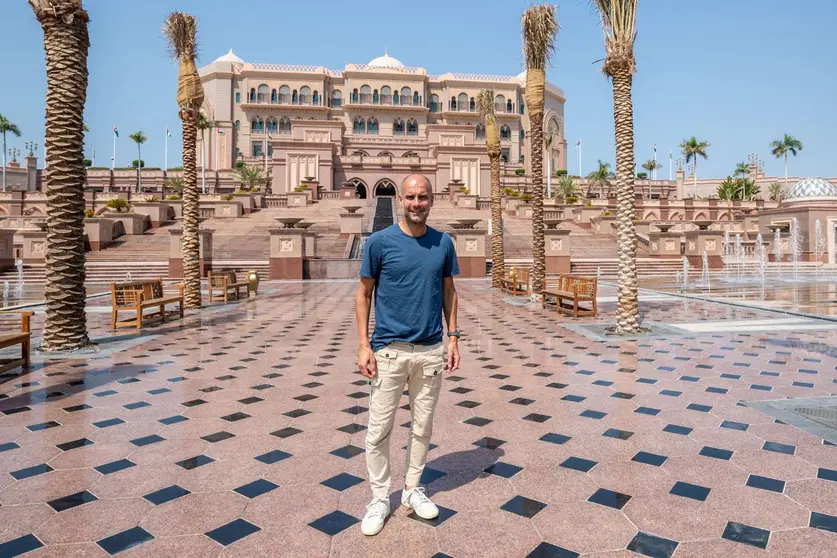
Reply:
x=812 y=188
x=230 y=57
x=522 y=76
x=385 y=61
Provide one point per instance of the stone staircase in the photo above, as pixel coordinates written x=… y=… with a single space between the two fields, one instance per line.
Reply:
x=609 y=267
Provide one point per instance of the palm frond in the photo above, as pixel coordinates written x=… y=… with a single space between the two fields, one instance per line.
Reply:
x=618 y=19
x=539 y=26
x=485 y=105
x=181 y=30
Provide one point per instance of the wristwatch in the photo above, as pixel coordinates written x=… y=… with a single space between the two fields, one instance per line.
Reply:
x=454 y=333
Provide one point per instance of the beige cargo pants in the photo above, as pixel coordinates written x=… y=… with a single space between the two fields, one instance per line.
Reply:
x=418 y=367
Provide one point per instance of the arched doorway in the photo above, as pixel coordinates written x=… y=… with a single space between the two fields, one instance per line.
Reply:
x=361 y=191
x=385 y=187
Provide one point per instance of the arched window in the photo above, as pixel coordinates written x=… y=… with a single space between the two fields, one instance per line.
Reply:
x=411 y=154
x=294 y=98
x=522 y=136
x=237 y=96
x=315 y=99
x=509 y=107
x=238 y=124
x=434 y=103
x=472 y=105
x=480 y=131
x=359 y=125
x=272 y=125
x=412 y=127
x=505 y=132
x=252 y=94
x=415 y=98
x=453 y=103
x=372 y=126
x=375 y=97
x=336 y=98
x=274 y=96
x=365 y=95
x=305 y=95
x=384 y=154
x=500 y=102
x=462 y=101
x=386 y=95
x=398 y=127
x=406 y=95
x=262 y=95
x=354 y=96
x=285 y=125
x=285 y=95
x=257 y=124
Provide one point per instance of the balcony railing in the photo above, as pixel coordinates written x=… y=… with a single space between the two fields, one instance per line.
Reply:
x=366 y=98
x=285 y=99
x=386 y=99
x=406 y=101
x=336 y=103
x=435 y=107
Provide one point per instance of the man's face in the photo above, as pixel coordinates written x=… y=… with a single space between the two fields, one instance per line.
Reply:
x=416 y=201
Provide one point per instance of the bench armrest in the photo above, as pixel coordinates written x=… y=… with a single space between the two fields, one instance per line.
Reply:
x=25 y=317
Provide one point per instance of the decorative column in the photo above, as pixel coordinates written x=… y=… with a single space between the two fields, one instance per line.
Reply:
x=704 y=240
x=176 y=252
x=665 y=243
x=34 y=245
x=7 y=249
x=557 y=246
x=287 y=250
x=467 y=201
x=453 y=188
x=469 y=243
x=309 y=240
x=351 y=222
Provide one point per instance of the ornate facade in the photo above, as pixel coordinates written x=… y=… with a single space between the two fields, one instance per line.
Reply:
x=368 y=125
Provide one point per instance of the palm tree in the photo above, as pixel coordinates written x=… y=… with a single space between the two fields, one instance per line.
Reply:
x=7 y=126
x=485 y=104
x=728 y=190
x=781 y=148
x=776 y=192
x=692 y=149
x=600 y=178
x=566 y=185
x=249 y=175
x=651 y=165
x=175 y=184
x=139 y=138
x=539 y=27
x=180 y=29
x=66 y=42
x=618 y=19
x=748 y=189
x=741 y=170
x=203 y=125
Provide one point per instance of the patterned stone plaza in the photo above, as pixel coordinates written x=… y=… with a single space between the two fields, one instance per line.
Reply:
x=239 y=431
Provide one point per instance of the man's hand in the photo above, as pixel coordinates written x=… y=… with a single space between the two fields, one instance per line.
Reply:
x=366 y=362
x=453 y=355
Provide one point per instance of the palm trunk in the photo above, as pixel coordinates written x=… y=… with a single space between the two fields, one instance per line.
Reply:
x=498 y=259
x=628 y=302
x=191 y=214
x=66 y=42
x=139 y=169
x=694 y=180
x=4 y=161
x=538 y=247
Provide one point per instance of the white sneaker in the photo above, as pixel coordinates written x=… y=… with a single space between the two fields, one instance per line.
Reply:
x=417 y=500
x=376 y=513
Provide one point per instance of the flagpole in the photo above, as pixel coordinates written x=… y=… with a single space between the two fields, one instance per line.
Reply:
x=580 y=174
x=166 y=157
x=669 y=165
x=655 y=161
x=93 y=162
x=113 y=159
x=203 y=164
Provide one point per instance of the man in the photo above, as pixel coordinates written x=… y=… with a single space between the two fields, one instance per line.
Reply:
x=409 y=267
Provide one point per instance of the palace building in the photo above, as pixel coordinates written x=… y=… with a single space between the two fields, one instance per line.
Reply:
x=368 y=125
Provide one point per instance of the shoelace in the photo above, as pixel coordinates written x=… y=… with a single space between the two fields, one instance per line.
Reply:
x=377 y=508
x=420 y=495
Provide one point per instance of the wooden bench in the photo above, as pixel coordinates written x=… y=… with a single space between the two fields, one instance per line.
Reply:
x=139 y=295
x=573 y=288
x=516 y=280
x=22 y=338
x=226 y=283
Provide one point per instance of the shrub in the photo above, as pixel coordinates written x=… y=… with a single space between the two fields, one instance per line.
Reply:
x=176 y=169
x=572 y=199
x=509 y=191
x=241 y=191
x=588 y=204
x=172 y=197
x=89 y=213
x=119 y=204
x=642 y=175
x=88 y=163
x=561 y=172
x=228 y=197
x=526 y=197
x=606 y=214
x=239 y=164
x=137 y=162
x=520 y=172
x=151 y=199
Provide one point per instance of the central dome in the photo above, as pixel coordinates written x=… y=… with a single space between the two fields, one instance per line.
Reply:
x=811 y=188
x=385 y=61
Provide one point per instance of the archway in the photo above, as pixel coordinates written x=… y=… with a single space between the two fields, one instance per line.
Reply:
x=361 y=191
x=385 y=187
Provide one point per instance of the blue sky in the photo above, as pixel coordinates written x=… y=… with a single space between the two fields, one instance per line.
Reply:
x=737 y=73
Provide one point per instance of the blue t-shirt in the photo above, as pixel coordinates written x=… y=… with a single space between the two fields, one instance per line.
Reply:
x=408 y=273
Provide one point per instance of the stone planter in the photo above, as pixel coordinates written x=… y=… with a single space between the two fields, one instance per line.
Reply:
x=134 y=223
x=99 y=233
x=298 y=199
x=34 y=246
x=158 y=213
x=351 y=223
x=248 y=203
x=467 y=201
x=524 y=211
x=221 y=209
x=177 y=206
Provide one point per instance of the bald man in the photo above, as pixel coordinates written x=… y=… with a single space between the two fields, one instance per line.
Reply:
x=409 y=268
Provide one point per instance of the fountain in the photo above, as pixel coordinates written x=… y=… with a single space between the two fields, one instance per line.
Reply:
x=739 y=256
x=704 y=279
x=761 y=254
x=777 y=245
x=819 y=243
x=796 y=247
x=5 y=291
x=727 y=255
x=685 y=271
x=19 y=266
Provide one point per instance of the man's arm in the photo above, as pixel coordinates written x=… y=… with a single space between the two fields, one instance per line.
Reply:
x=363 y=305
x=450 y=302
